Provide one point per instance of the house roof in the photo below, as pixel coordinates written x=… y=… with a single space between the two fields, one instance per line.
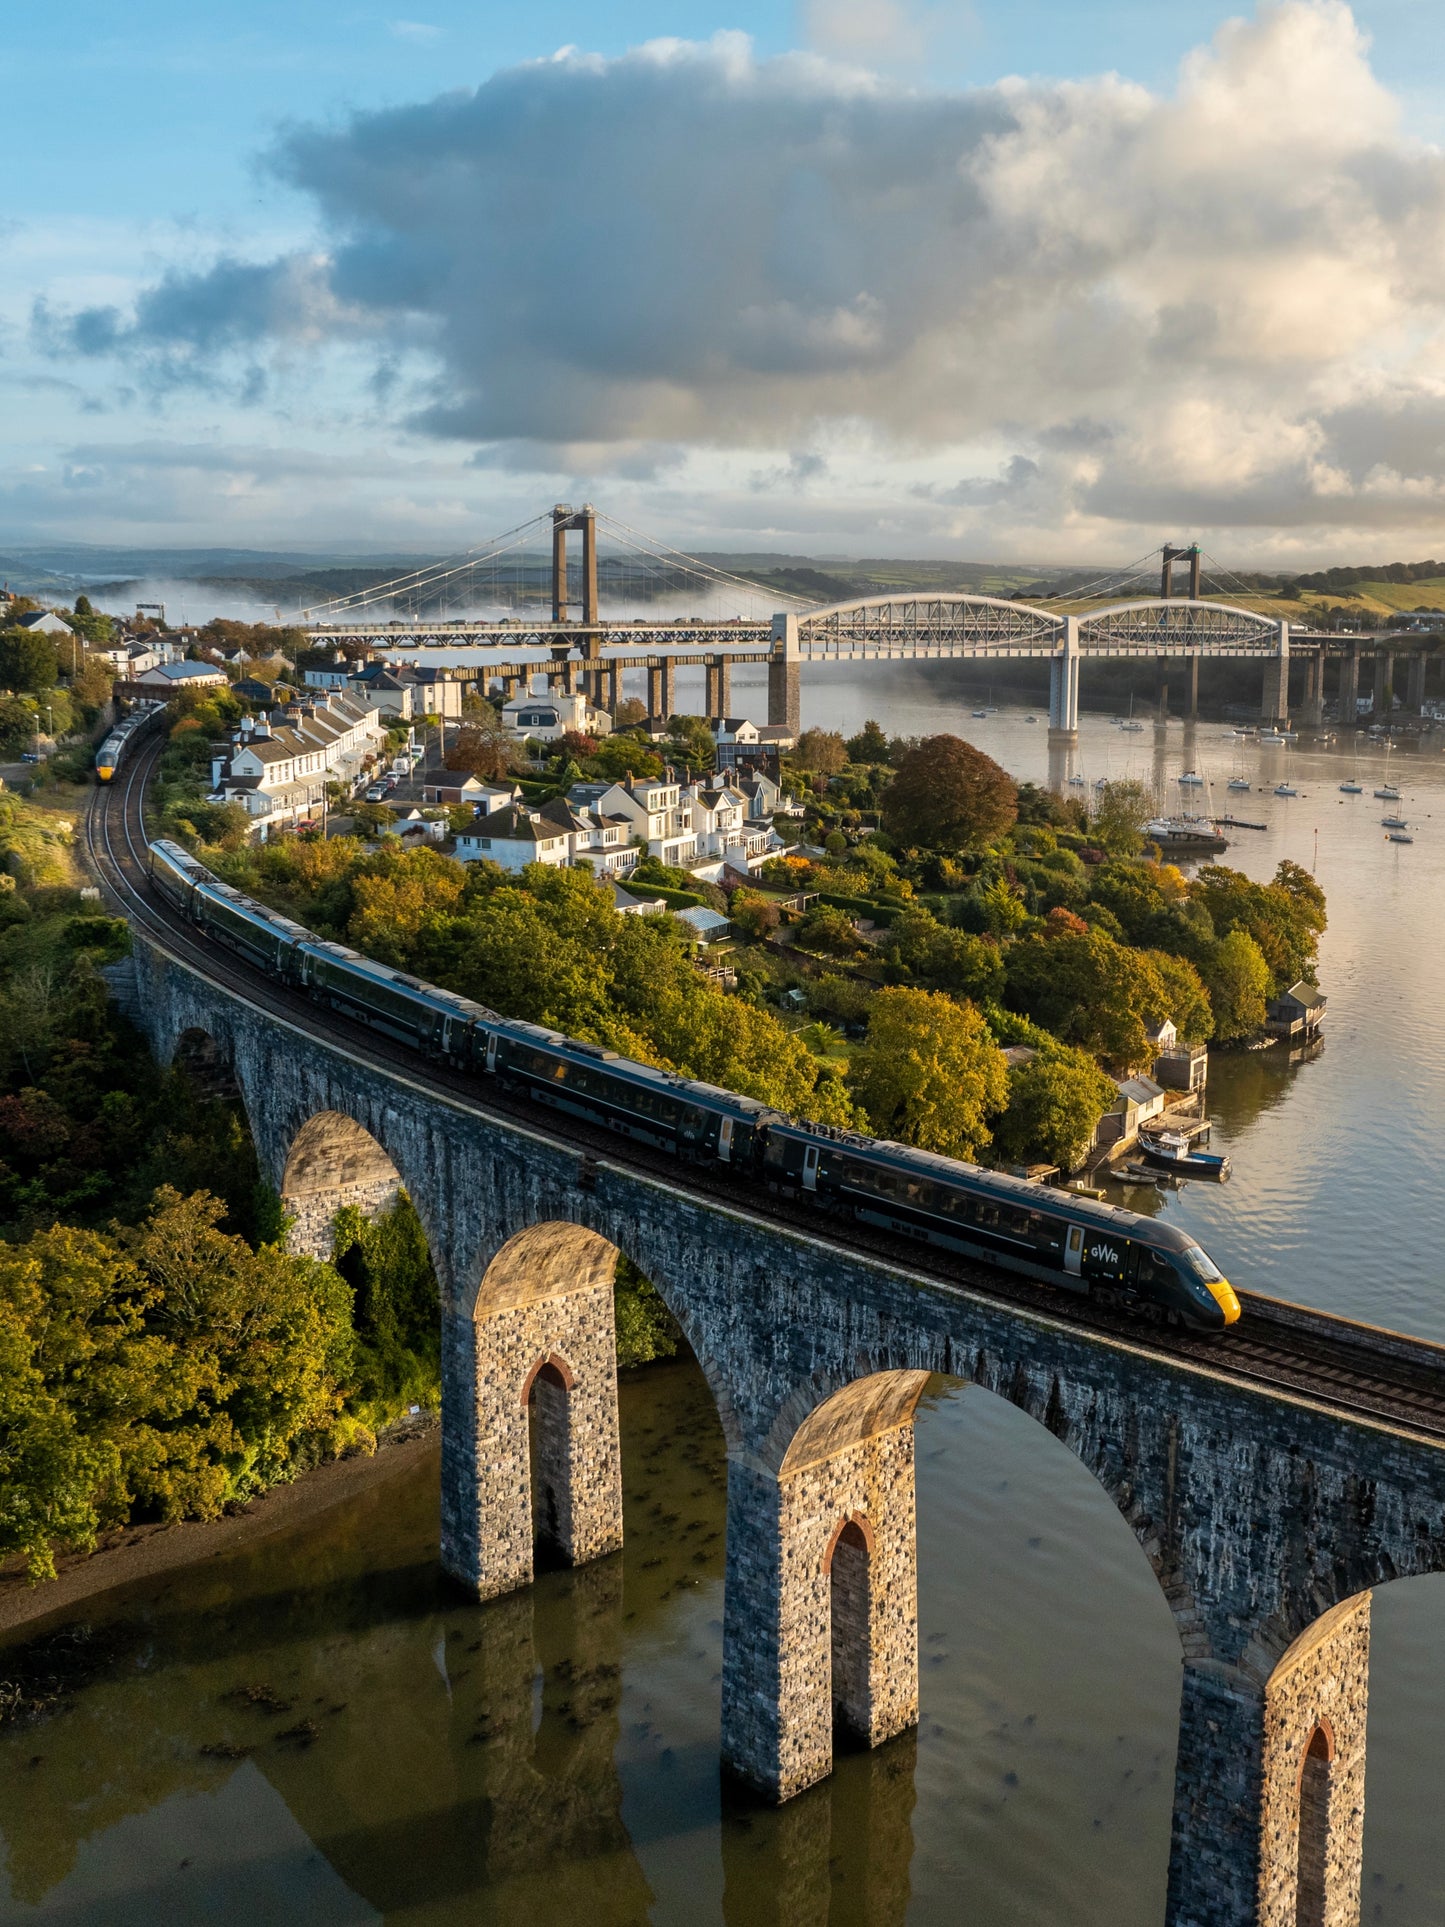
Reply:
x=517 y=825
x=1139 y=1090
x=624 y=900
x=701 y=918
x=187 y=672
x=1305 y=994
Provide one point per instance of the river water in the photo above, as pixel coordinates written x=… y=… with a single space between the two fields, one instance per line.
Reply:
x=556 y=1752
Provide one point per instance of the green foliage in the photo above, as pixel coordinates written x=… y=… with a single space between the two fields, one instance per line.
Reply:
x=1121 y=809
x=1089 y=991
x=689 y=742
x=829 y=930
x=1286 y=917
x=616 y=756
x=646 y=1329
x=1239 y=986
x=28 y=662
x=870 y=745
x=945 y=958
x=948 y=795
x=929 y=1072
x=397 y=1316
x=164 y=1369
x=1054 y=1103
x=820 y=752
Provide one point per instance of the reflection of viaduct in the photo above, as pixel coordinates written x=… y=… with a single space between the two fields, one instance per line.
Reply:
x=1267 y=1519
x=589 y=653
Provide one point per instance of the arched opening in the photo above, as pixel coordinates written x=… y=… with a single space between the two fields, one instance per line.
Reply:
x=1314 y=1828
x=851 y=1638
x=547 y=1396
x=333 y=1162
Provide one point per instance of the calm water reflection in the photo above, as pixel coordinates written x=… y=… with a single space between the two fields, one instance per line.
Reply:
x=556 y=1753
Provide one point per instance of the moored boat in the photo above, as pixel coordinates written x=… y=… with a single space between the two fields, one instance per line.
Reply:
x=1172 y=1150
x=1191 y=835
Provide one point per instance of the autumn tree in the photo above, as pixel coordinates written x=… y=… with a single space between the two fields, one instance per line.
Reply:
x=482 y=747
x=929 y=1072
x=820 y=751
x=948 y=795
x=1090 y=991
x=1121 y=809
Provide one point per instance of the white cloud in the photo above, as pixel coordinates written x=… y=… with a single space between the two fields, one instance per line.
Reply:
x=1044 y=314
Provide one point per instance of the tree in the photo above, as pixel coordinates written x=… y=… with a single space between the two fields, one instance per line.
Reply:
x=397 y=1314
x=1089 y=991
x=616 y=757
x=690 y=742
x=482 y=748
x=629 y=713
x=753 y=915
x=948 y=795
x=1286 y=917
x=830 y=931
x=821 y=751
x=944 y=958
x=1055 y=1102
x=1186 y=998
x=1121 y=809
x=1238 y=979
x=870 y=745
x=929 y=1072
x=28 y=662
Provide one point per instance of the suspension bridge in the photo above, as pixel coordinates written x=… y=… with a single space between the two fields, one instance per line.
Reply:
x=530 y=601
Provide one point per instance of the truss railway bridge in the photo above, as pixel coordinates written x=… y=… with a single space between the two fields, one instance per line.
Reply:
x=584 y=651
x=1271 y=1478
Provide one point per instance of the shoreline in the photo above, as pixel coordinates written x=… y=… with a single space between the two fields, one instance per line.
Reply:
x=142 y=1552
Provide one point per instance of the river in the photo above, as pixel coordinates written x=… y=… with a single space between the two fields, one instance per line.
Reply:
x=556 y=1752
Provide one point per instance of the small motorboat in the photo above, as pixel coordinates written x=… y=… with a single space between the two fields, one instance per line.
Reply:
x=1393 y=823
x=1269 y=736
x=1131 y=725
x=1388 y=793
x=1284 y=789
x=1191 y=779
x=1398 y=836
x=1237 y=783
x=1352 y=789
x=980 y=712
x=1077 y=782
x=1172 y=1150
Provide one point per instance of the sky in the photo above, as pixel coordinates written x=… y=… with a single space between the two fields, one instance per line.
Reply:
x=1020 y=280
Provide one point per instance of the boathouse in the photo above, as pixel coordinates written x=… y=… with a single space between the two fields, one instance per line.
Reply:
x=1297 y=1014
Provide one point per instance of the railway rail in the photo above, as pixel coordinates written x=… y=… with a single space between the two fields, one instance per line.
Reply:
x=1340 y=1365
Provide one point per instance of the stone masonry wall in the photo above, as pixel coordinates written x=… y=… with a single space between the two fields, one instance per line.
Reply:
x=492 y=1546
x=778 y=1686
x=1323 y=1681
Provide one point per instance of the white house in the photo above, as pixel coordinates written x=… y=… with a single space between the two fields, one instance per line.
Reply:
x=171 y=676
x=721 y=824
x=659 y=814
x=551 y=715
x=44 y=622
x=514 y=838
x=332 y=675
x=737 y=740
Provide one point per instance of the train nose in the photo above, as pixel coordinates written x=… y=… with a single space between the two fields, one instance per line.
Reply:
x=1223 y=1294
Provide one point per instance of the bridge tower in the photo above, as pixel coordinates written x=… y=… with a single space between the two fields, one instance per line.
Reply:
x=565 y=517
x=1171 y=555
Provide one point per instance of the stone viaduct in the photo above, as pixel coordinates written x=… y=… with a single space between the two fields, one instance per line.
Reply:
x=1266 y=1520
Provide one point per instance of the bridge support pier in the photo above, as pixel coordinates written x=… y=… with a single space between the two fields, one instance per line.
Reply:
x=785 y=682
x=820 y=1619
x=662 y=689
x=1269 y=1791
x=531 y=1449
x=1064 y=688
x=1274 y=702
x=609 y=688
x=1193 y=711
x=1384 y=684
x=1348 y=702
x=1415 y=698
x=1312 y=710
x=719 y=687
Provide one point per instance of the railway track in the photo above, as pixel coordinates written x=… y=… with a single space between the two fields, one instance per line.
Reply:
x=1352 y=1369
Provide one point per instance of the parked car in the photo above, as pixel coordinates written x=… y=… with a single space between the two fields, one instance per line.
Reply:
x=30 y=756
x=376 y=793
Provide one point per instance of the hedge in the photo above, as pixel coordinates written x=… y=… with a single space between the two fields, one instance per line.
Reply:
x=674 y=899
x=885 y=913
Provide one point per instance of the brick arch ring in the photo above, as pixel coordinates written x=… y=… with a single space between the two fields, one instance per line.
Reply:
x=556 y=1363
x=861 y=1523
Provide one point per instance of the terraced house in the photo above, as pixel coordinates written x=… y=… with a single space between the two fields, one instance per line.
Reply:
x=277 y=767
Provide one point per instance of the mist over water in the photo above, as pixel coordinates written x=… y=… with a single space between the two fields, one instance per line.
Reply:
x=555 y=1754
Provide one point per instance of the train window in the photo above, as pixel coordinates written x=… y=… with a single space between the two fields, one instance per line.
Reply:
x=920 y=1192
x=667 y=1111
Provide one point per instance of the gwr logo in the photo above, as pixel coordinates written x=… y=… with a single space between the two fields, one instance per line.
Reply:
x=1104 y=1254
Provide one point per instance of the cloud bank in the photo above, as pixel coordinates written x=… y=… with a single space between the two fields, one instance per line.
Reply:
x=1064 y=311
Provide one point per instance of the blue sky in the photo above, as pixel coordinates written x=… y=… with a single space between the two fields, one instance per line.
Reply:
x=823 y=277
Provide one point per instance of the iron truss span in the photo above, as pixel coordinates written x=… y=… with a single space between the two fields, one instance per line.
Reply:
x=923 y=626
x=1354 y=1370
x=1176 y=627
x=676 y=638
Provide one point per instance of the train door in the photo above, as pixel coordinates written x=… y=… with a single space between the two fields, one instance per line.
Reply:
x=810 y=1168
x=725 y=1140
x=491 y=1050
x=1074 y=1250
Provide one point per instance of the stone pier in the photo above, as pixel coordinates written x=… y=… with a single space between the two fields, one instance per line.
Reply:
x=530 y=1390
x=1415 y=697
x=1384 y=683
x=785 y=688
x=821 y=1614
x=1349 y=696
x=662 y=689
x=333 y=1163
x=1269 y=1792
x=719 y=687
x=1312 y=709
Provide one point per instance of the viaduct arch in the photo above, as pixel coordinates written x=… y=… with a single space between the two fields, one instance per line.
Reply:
x=1267 y=1519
